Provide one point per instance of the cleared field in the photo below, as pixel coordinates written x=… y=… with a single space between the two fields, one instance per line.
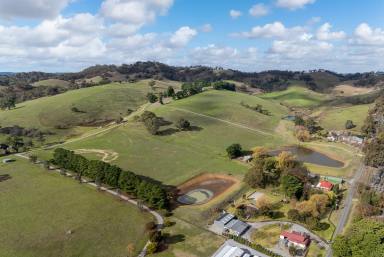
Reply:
x=349 y=90
x=335 y=118
x=174 y=157
x=52 y=83
x=94 y=106
x=45 y=214
x=297 y=97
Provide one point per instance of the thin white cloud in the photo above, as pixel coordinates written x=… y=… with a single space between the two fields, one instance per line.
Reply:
x=206 y=28
x=325 y=33
x=293 y=4
x=31 y=9
x=259 y=10
x=235 y=14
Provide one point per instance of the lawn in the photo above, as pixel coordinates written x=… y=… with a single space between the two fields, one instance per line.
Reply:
x=296 y=96
x=268 y=236
x=335 y=118
x=38 y=209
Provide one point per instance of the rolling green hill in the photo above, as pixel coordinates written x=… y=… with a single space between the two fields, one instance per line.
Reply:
x=94 y=106
x=174 y=157
x=297 y=97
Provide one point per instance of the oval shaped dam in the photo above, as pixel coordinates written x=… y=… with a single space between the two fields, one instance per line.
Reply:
x=310 y=156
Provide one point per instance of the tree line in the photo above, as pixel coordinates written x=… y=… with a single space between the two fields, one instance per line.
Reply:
x=101 y=172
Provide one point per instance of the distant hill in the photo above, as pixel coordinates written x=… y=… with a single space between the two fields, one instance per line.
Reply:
x=22 y=85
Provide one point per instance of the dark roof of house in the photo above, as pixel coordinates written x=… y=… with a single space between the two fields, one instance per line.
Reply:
x=237 y=226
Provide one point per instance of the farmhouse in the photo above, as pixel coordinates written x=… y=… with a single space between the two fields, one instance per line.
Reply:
x=325 y=185
x=296 y=239
x=228 y=222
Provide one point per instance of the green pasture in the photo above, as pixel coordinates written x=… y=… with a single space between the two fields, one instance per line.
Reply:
x=94 y=104
x=176 y=156
x=45 y=214
x=296 y=96
x=335 y=118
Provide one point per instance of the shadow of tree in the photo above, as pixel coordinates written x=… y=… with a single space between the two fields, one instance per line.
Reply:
x=5 y=177
x=173 y=239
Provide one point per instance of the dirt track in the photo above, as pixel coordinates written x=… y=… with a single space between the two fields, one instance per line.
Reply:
x=106 y=155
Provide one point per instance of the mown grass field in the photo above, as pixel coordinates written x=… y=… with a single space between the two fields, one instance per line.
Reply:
x=335 y=118
x=219 y=121
x=95 y=104
x=296 y=96
x=38 y=208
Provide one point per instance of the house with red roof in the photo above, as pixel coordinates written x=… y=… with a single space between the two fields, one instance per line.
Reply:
x=296 y=239
x=325 y=185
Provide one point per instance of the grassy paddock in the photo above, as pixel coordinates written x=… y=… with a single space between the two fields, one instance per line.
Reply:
x=335 y=118
x=38 y=208
x=175 y=156
x=296 y=96
x=95 y=104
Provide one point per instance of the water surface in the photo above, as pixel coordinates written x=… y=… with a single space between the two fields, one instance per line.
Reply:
x=310 y=156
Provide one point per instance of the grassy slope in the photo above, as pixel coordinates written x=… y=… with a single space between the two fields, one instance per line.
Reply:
x=335 y=118
x=38 y=208
x=177 y=157
x=296 y=97
x=99 y=102
x=52 y=82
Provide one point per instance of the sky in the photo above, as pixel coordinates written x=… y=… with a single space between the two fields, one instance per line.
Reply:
x=69 y=35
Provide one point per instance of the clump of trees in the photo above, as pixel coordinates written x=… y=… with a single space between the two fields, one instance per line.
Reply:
x=101 y=172
x=8 y=102
x=153 y=123
x=183 y=124
x=364 y=238
x=305 y=128
x=269 y=170
x=374 y=151
x=258 y=108
x=189 y=89
x=373 y=129
x=223 y=85
x=311 y=211
x=234 y=151
x=349 y=124
x=152 y=98
x=371 y=202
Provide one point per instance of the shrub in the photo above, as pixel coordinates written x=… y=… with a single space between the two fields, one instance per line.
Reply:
x=152 y=247
x=234 y=151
